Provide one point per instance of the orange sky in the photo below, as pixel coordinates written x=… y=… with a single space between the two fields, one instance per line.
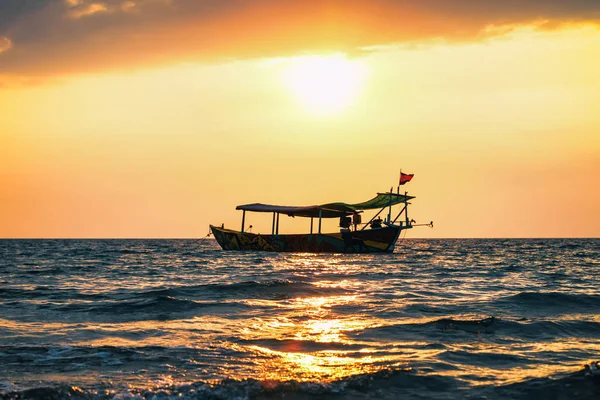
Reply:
x=155 y=118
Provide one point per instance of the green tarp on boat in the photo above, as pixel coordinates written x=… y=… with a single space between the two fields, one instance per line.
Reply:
x=329 y=210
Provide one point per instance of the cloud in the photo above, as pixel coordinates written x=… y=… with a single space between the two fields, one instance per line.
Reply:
x=61 y=37
x=79 y=8
x=5 y=44
x=127 y=6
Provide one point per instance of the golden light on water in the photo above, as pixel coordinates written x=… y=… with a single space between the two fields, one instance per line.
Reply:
x=316 y=330
x=311 y=342
x=324 y=365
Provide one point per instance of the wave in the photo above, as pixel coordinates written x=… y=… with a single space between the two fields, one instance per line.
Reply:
x=435 y=327
x=526 y=304
x=485 y=325
x=44 y=271
x=159 y=308
x=269 y=289
x=301 y=346
x=384 y=384
x=156 y=304
x=506 y=329
x=47 y=292
x=572 y=245
x=581 y=385
x=53 y=356
x=554 y=299
x=550 y=330
x=277 y=289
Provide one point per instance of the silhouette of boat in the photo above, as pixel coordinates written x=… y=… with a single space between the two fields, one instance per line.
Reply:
x=375 y=236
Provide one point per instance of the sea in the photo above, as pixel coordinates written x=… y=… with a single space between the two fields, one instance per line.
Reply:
x=182 y=319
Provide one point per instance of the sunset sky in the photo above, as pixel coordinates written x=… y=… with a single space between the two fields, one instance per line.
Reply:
x=154 y=118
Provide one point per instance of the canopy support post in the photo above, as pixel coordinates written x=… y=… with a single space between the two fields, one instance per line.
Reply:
x=277 y=225
x=243 y=219
x=390 y=209
x=320 y=217
x=311 y=225
x=273 y=225
x=406 y=207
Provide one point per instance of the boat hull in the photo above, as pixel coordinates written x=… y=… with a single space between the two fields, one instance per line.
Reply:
x=380 y=240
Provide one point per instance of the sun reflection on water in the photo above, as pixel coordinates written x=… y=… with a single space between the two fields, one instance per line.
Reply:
x=322 y=365
x=312 y=342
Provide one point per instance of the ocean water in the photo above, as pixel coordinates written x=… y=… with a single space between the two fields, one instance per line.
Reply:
x=437 y=319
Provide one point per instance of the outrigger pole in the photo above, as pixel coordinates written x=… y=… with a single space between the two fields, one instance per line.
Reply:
x=429 y=224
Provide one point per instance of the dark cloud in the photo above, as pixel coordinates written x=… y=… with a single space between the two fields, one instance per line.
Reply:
x=512 y=10
x=11 y=10
x=63 y=36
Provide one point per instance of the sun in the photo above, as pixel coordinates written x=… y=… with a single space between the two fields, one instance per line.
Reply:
x=325 y=84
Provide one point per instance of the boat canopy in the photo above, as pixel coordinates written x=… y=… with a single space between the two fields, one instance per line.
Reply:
x=329 y=210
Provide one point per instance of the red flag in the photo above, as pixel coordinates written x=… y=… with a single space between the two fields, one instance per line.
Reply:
x=405 y=178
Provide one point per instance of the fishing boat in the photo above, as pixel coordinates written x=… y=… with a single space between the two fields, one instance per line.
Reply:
x=354 y=236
